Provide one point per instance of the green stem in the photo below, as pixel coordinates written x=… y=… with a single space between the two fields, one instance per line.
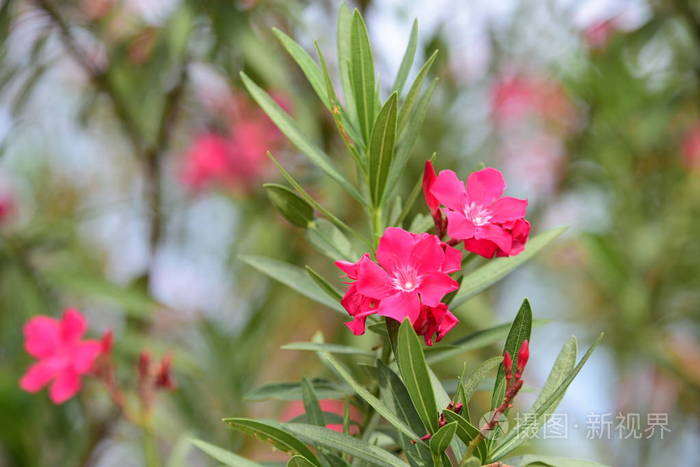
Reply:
x=150 y=446
x=377 y=226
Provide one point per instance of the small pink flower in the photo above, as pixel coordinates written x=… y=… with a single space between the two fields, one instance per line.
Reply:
x=63 y=356
x=411 y=271
x=691 y=148
x=295 y=409
x=207 y=160
x=477 y=213
x=598 y=34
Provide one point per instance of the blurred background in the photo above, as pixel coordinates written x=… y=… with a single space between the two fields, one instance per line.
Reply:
x=131 y=164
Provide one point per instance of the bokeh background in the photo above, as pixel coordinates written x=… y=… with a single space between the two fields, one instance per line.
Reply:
x=130 y=181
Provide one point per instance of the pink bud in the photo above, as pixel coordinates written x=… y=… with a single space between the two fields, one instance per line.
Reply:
x=523 y=355
x=429 y=177
x=164 y=378
x=507 y=364
x=106 y=342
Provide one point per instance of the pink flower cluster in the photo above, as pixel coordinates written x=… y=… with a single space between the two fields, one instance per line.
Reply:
x=476 y=212
x=63 y=356
x=408 y=280
x=235 y=160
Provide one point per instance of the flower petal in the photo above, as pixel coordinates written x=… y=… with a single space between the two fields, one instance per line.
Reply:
x=501 y=237
x=395 y=248
x=351 y=268
x=357 y=325
x=427 y=255
x=485 y=186
x=453 y=259
x=448 y=322
x=482 y=247
x=400 y=306
x=373 y=281
x=66 y=385
x=37 y=376
x=84 y=355
x=449 y=190
x=42 y=336
x=435 y=286
x=73 y=325
x=458 y=226
x=508 y=209
x=429 y=177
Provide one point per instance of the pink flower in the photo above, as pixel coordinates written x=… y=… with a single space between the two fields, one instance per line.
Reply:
x=63 y=356
x=411 y=272
x=429 y=177
x=691 y=148
x=207 y=160
x=598 y=34
x=478 y=214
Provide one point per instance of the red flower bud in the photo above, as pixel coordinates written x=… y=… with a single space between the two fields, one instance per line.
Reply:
x=144 y=366
x=106 y=342
x=523 y=355
x=507 y=364
x=164 y=378
x=429 y=177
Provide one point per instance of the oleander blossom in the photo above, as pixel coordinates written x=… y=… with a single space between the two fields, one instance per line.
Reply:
x=477 y=213
x=409 y=280
x=63 y=357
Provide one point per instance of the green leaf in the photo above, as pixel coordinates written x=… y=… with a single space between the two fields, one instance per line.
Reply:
x=534 y=460
x=293 y=277
x=344 y=53
x=563 y=365
x=274 y=435
x=525 y=429
x=297 y=211
x=466 y=432
x=292 y=391
x=414 y=91
x=409 y=136
x=472 y=382
x=307 y=65
x=330 y=348
x=311 y=405
x=330 y=241
x=299 y=461
x=381 y=149
x=519 y=331
x=442 y=438
x=338 y=441
x=223 y=456
x=471 y=462
x=496 y=269
x=407 y=60
x=361 y=391
x=362 y=74
x=323 y=284
x=414 y=372
x=287 y=126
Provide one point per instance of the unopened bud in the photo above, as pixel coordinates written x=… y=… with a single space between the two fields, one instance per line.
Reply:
x=507 y=364
x=106 y=342
x=144 y=365
x=164 y=378
x=523 y=355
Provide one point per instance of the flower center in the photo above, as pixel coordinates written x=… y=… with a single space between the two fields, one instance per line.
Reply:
x=478 y=215
x=406 y=279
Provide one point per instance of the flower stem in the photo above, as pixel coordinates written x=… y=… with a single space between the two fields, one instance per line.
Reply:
x=377 y=226
x=150 y=445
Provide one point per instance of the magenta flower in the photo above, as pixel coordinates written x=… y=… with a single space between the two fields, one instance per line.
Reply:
x=63 y=356
x=411 y=272
x=477 y=213
x=434 y=320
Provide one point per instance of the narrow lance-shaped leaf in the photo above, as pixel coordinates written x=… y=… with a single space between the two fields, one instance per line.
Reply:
x=407 y=60
x=362 y=74
x=311 y=405
x=287 y=126
x=323 y=284
x=307 y=65
x=466 y=432
x=293 y=277
x=535 y=460
x=414 y=373
x=414 y=91
x=330 y=241
x=299 y=461
x=381 y=149
x=292 y=391
x=276 y=436
x=471 y=383
x=297 y=211
x=519 y=331
x=330 y=348
x=442 y=438
x=344 y=26
x=341 y=442
x=496 y=269
x=224 y=456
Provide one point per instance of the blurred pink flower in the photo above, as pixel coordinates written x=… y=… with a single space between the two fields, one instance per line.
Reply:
x=411 y=272
x=691 y=148
x=515 y=97
x=7 y=206
x=477 y=213
x=63 y=356
x=236 y=160
x=296 y=408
